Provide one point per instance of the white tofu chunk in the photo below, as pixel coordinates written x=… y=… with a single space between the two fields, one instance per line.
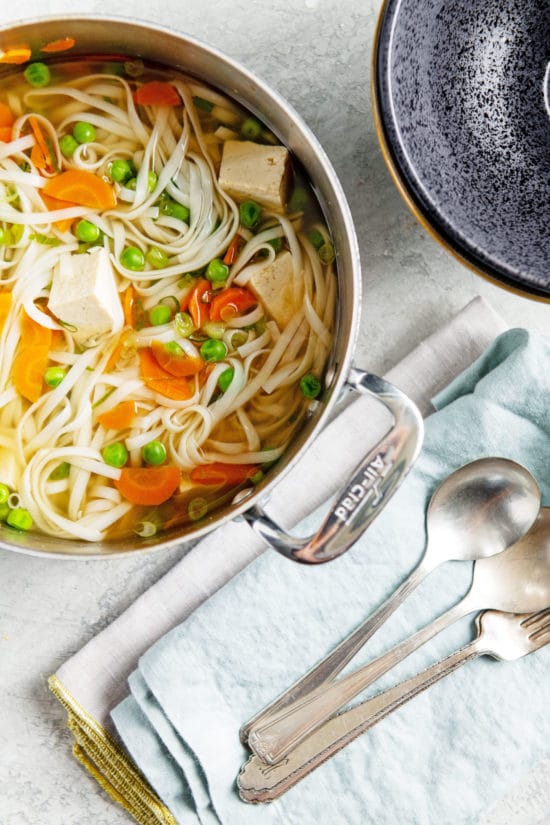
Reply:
x=273 y=284
x=256 y=172
x=84 y=295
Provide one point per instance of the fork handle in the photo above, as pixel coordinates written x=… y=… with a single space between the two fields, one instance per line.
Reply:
x=276 y=737
x=329 y=667
x=260 y=782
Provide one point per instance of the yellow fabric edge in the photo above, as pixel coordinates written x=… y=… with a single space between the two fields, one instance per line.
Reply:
x=108 y=764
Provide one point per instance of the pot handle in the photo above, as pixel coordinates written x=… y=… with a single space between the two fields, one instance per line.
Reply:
x=372 y=483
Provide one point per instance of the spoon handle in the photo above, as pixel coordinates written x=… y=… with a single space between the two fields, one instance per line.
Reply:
x=338 y=658
x=281 y=732
x=259 y=782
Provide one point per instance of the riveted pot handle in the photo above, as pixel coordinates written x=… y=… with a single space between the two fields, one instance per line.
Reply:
x=367 y=491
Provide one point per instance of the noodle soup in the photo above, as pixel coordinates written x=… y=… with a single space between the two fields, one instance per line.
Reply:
x=167 y=299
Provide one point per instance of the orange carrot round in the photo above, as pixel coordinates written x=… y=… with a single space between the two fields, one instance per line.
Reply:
x=118 y=417
x=159 y=380
x=28 y=370
x=222 y=474
x=6 y=115
x=82 y=188
x=157 y=93
x=176 y=364
x=148 y=485
x=60 y=45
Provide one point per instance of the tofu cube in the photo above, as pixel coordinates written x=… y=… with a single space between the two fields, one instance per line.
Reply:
x=84 y=295
x=252 y=171
x=274 y=285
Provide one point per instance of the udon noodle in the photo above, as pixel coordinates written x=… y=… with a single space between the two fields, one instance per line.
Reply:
x=162 y=335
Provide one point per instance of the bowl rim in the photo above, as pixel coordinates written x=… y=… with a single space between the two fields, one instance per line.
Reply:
x=407 y=192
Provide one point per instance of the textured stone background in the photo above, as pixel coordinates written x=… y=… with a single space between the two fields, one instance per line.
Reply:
x=316 y=53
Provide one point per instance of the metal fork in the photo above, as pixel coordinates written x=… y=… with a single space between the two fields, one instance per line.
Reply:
x=504 y=636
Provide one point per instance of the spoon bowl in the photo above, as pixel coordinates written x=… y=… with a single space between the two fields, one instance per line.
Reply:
x=480 y=510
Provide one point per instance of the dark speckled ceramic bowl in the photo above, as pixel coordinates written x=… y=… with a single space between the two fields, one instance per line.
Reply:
x=461 y=93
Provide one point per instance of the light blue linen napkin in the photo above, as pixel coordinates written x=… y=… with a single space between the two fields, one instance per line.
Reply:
x=444 y=757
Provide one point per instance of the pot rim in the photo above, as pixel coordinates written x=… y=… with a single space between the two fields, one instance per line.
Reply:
x=351 y=276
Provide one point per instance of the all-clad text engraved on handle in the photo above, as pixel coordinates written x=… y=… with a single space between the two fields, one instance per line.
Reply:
x=367 y=486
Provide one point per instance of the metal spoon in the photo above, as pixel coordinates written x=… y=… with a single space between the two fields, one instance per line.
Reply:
x=504 y=636
x=516 y=581
x=479 y=510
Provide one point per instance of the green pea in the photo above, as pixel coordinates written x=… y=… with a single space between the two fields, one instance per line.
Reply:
x=131 y=184
x=5 y=510
x=37 y=75
x=173 y=209
x=213 y=350
x=156 y=258
x=61 y=471
x=257 y=477
x=115 y=455
x=20 y=519
x=4 y=493
x=154 y=453
x=54 y=376
x=68 y=144
x=83 y=132
x=121 y=170
x=159 y=315
x=225 y=379
x=251 y=129
x=316 y=238
x=87 y=232
x=249 y=213
x=183 y=324
x=217 y=271
x=133 y=258
x=310 y=385
x=152 y=180
x=181 y=212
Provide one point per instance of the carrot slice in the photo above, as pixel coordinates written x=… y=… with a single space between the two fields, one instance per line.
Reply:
x=5 y=134
x=28 y=370
x=178 y=365
x=222 y=474
x=6 y=115
x=148 y=485
x=119 y=417
x=229 y=302
x=159 y=380
x=41 y=154
x=60 y=45
x=157 y=93
x=233 y=250
x=17 y=54
x=82 y=188
x=124 y=351
x=33 y=333
x=5 y=306
x=196 y=302
x=53 y=204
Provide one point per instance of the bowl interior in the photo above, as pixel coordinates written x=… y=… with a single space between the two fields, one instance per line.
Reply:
x=117 y=36
x=462 y=89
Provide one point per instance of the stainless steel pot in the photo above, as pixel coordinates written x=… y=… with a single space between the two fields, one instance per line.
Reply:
x=381 y=471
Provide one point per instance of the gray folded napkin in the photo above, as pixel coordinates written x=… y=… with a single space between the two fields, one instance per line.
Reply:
x=93 y=681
